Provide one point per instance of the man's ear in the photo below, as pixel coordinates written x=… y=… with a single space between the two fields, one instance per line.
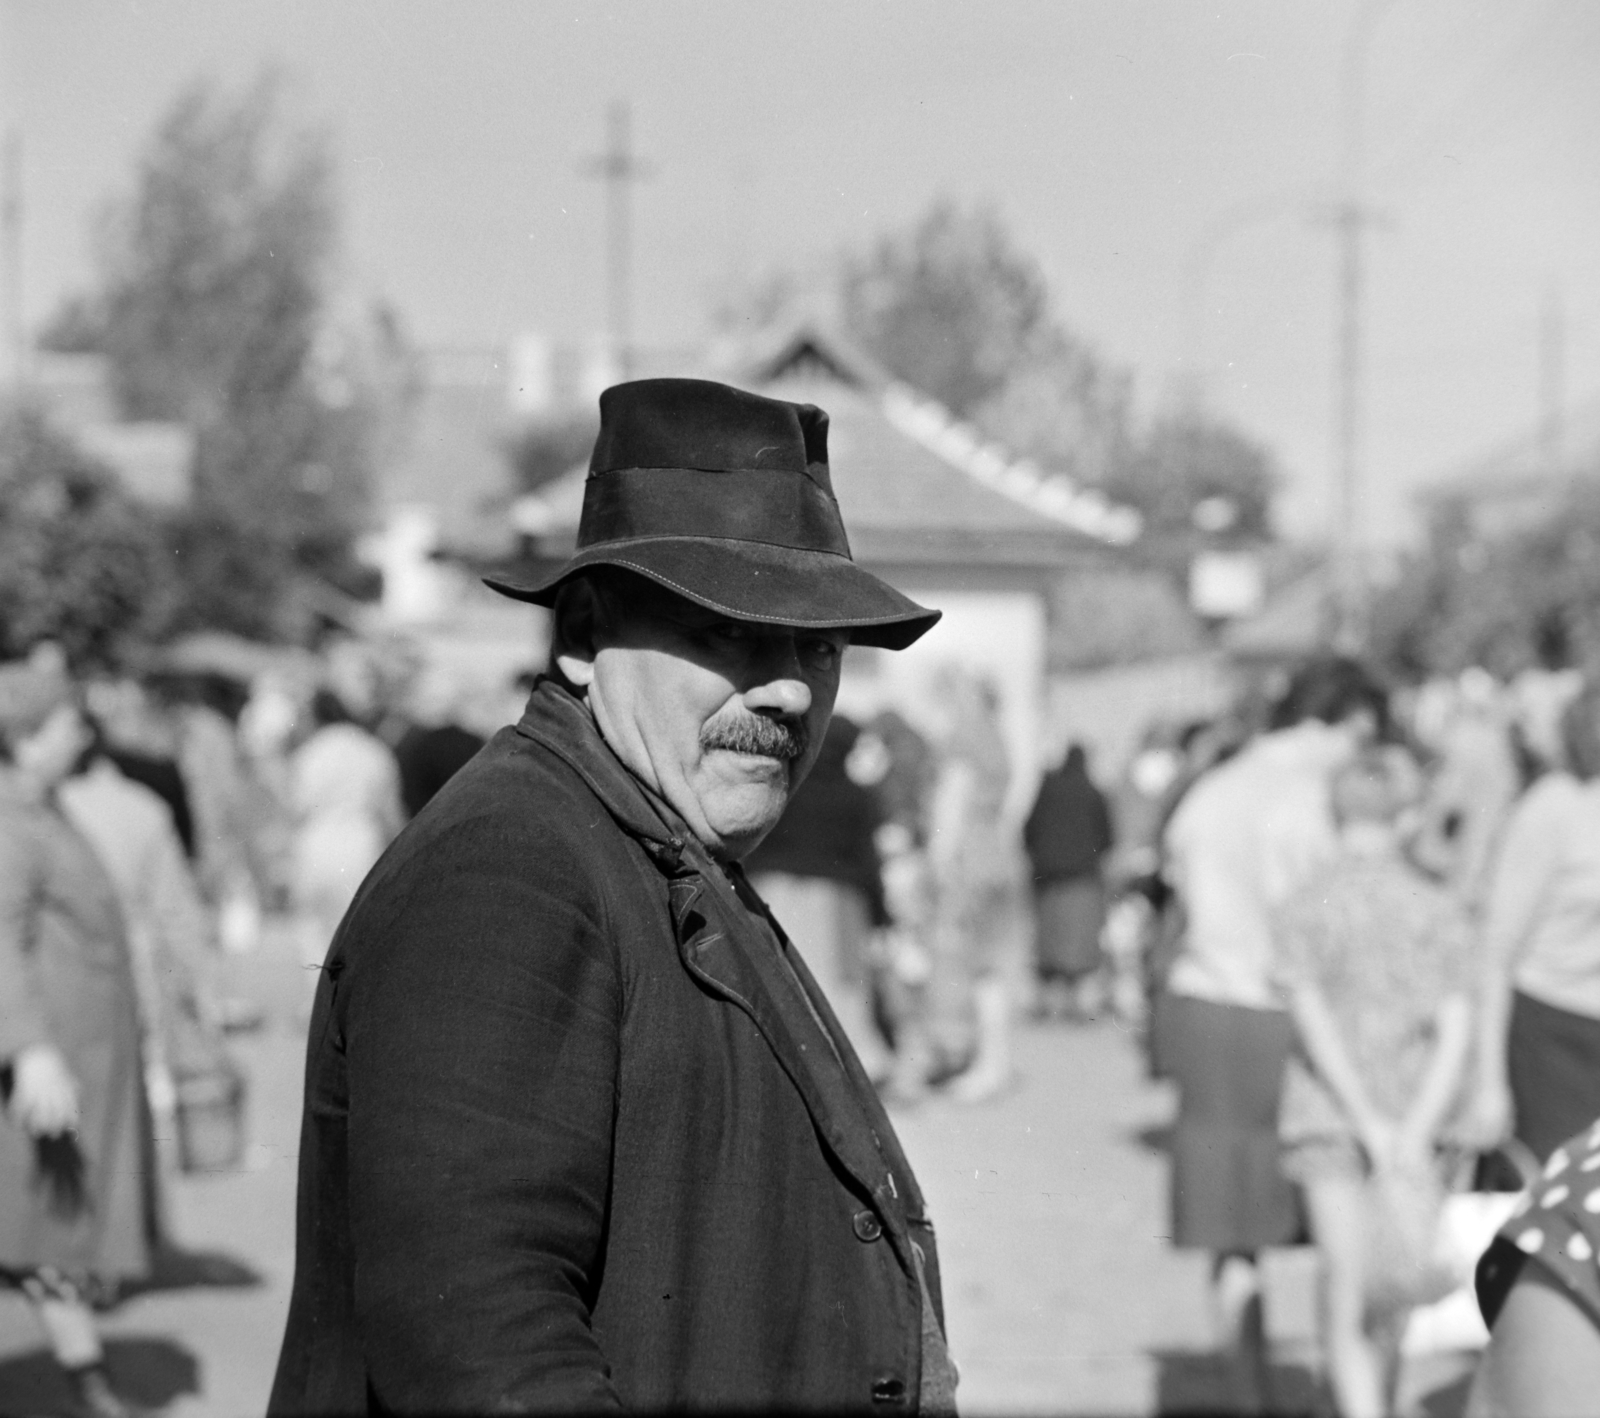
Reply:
x=579 y=671
x=576 y=612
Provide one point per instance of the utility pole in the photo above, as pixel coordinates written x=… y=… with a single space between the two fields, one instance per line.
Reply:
x=1350 y=218
x=1552 y=379
x=619 y=169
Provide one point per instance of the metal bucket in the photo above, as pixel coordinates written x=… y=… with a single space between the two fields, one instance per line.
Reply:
x=211 y=1132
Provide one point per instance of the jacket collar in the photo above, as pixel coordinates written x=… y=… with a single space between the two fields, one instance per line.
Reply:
x=563 y=724
x=723 y=947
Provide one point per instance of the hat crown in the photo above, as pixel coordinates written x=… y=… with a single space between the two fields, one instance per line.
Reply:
x=689 y=458
x=695 y=423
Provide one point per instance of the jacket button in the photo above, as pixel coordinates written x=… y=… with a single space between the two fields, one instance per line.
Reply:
x=888 y=1391
x=866 y=1226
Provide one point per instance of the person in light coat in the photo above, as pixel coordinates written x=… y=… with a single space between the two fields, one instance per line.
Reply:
x=73 y=1202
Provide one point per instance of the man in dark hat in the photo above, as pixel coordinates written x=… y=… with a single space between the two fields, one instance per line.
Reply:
x=580 y=1129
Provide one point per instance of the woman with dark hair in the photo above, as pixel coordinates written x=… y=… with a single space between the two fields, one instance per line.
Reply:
x=1539 y=992
x=1245 y=837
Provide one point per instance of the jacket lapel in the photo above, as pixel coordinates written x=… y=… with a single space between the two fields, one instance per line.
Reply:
x=730 y=958
x=862 y=1092
x=721 y=946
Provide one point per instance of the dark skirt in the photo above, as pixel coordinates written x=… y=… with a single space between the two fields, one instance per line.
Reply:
x=1228 y=1189
x=1070 y=917
x=1553 y=1057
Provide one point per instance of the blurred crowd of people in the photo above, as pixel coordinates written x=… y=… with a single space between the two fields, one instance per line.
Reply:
x=149 y=826
x=899 y=876
x=1359 y=930
x=1368 y=933
x=1358 y=927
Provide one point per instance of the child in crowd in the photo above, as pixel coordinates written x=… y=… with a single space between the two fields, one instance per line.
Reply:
x=1374 y=963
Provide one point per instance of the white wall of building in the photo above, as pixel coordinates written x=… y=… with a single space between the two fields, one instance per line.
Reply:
x=996 y=633
x=1110 y=710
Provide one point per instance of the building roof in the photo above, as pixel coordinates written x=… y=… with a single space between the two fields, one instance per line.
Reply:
x=455 y=460
x=915 y=486
x=452 y=459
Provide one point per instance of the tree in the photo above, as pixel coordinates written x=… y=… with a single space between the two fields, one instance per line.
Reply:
x=948 y=306
x=81 y=563
x=1188 y=473
x=213 y=268
x=1066 y=409
x=954 y=309
x=212 y=309
x=1526 y=597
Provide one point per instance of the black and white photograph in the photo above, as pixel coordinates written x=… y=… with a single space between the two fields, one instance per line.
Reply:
x=865 y=706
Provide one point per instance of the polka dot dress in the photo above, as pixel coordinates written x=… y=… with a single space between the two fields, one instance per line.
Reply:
x=1553 y=1236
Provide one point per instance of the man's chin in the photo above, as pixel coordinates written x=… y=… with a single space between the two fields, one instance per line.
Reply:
x=742 y=817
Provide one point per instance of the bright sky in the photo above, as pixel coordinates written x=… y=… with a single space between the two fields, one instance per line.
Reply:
x=1158 y=159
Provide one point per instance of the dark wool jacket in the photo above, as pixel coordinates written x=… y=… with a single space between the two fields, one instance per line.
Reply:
x=574 y=1137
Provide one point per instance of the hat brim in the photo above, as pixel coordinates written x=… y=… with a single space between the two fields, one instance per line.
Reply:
x=754 y=581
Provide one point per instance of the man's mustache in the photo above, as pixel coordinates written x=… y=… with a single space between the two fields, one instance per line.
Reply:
x=771 y=738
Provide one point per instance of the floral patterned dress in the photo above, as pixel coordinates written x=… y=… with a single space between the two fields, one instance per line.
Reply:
x=1383 y=945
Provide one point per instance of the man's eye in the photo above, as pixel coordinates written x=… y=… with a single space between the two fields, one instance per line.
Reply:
x=820 y=652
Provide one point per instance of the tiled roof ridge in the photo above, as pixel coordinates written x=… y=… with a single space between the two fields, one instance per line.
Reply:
x=1050 y=495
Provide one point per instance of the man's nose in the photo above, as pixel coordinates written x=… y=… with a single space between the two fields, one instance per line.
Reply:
x=779 y=687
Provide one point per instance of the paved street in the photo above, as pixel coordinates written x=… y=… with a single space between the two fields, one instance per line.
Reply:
x=1059 y=1283
x=1062 y=1294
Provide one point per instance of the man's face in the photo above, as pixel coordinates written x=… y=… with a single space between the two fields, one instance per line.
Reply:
x=1354 y=732
x=723 y=718
x=49 y=753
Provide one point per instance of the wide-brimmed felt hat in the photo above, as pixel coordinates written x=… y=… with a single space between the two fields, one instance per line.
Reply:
x=724 y=497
